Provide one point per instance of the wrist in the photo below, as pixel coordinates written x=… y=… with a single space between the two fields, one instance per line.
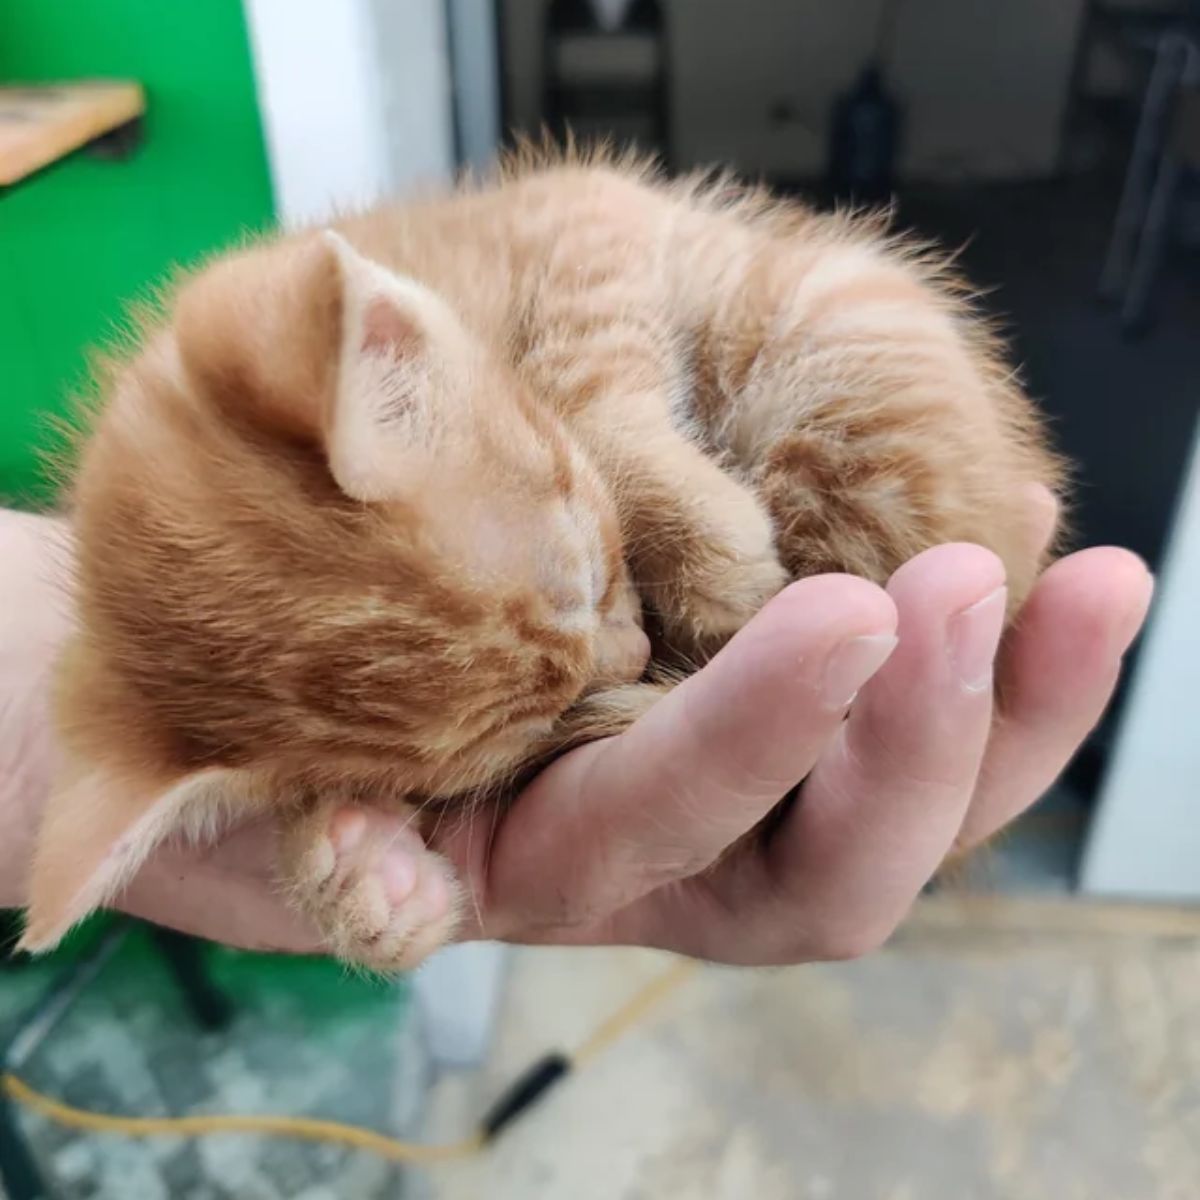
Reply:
x=34 y=622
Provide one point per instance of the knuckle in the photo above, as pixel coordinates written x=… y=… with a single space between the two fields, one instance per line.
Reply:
x=571 y=912
x=933 y=758
x=668 y=865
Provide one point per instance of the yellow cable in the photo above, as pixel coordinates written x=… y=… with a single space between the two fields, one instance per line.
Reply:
x=313 y=1130
x=633 y=1011
x=306 y=1128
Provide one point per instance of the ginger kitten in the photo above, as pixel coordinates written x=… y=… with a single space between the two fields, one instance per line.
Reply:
x=376 y=513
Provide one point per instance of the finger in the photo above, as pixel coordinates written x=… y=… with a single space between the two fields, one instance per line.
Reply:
x=1058 y=669
x=884 y=804
x=612 y=821
x=1042 y=512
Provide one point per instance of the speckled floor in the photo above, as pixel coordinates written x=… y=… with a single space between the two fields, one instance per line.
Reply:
x=1024 y=1062
x=1020 y=1047
x=305 y=1039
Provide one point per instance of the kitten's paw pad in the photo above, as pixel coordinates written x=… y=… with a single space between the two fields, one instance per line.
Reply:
x=379 y=898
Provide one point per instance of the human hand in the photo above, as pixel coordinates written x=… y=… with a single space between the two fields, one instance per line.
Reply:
x=670 y=835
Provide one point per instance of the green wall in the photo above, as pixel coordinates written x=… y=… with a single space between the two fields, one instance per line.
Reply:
x=83 y=237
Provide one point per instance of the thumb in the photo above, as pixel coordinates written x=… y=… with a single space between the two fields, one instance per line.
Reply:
x=610 y=822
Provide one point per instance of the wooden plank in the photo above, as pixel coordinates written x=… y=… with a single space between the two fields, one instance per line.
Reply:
x=1049 y=917
x=42 y=123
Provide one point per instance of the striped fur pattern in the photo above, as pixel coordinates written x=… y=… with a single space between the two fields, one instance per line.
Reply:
x=380 y=513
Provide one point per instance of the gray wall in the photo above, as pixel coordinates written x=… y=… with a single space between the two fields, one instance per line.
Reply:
x=984 y=82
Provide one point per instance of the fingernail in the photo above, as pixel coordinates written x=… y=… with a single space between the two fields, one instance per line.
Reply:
x=347 y=828
x=852 y=664
x=973 y=636
x=399 y=873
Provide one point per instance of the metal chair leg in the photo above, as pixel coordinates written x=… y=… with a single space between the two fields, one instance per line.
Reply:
x=20 y=1178
x=184 y=957
x=1169 y=66
x=1135 y=312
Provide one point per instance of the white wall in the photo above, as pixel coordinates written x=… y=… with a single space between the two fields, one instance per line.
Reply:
x=355 y=100
x=316 y=84
x=412 y=64
x=1145 y=840
x=476 y=71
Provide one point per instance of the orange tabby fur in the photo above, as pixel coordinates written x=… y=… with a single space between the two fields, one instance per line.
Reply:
x=375 y=514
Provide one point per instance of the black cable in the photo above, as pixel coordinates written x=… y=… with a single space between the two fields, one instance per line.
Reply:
x=525 y=1091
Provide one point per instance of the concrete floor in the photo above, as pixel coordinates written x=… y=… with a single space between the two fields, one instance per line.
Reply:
x=1005 y=1047
x=973 y=1060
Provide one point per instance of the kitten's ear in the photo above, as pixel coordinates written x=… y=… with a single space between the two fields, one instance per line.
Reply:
x=98 y=829
x=402 y=367
x=259 y=332
x=311 y=339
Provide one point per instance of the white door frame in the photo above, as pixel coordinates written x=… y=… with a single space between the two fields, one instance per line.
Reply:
x=1145 y=838
x=355 y=98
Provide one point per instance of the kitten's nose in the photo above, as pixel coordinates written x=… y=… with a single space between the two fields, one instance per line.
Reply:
x=622 y=653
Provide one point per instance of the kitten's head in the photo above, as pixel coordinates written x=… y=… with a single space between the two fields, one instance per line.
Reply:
x=323 y=535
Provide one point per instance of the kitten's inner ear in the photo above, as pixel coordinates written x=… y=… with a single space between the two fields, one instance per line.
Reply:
x=100 y=827
x=401 y=372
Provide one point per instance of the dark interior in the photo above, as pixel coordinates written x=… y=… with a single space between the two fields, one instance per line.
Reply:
x=1121 y=389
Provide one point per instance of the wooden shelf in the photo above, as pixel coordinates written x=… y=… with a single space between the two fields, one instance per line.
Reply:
x=42 y=123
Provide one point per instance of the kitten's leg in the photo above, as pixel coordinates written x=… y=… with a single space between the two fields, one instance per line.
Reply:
x=378 y=909
x=700 y=544
x=869 y=405
x=599 y=343
x=605 y=713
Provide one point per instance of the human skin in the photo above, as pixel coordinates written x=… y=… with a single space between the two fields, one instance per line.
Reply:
x=659 y=836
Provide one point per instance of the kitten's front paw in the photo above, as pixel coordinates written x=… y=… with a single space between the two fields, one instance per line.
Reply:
x=382 y=900
x=715 y=596
x=706 y=563
x=716 y=605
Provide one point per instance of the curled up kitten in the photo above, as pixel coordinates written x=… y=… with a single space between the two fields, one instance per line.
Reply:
x=381 y=513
